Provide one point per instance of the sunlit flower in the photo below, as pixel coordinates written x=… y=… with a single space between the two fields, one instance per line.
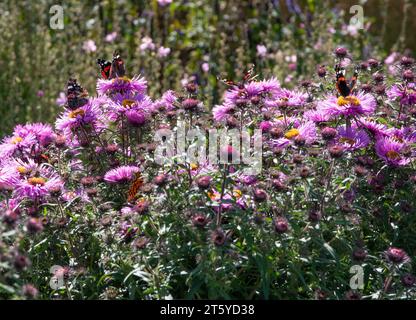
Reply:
x=121 y=174
x=89 y=46
x=353 y=138
x=136 y=84
x=391 y=151
x=360 y=104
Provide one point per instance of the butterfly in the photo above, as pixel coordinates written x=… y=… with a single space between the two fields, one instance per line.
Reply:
x=343 y=87
x=113 y=69
x=76 y=95
x=248 y=77
x=135 y=186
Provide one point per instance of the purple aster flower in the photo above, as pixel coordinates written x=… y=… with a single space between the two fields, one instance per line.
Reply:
x=261 y=50
x=221 y=112
x=61 y=100
x=121 y=174
x=89 y=114
x=137 y=109
x=353 y=138
x=163 y=52
x=166 y=103
x=35 y=187
x=391 y=151
x=43 y=132
x=361 y=104
x=110 y=37
x=372 y=126
x=406 y=94
x=317 y=116
x=396 y=255
x=89 y=46
x=16 y=145
x=122 y=84
x=304 y=133
x=287 y=98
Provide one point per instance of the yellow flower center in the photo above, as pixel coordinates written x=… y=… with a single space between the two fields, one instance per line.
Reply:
x=292 y=133
x=122 y=79
x=350 y=141
x=37 y=181
x=127 y=103
x=343 y=101
x=211 y=195
x=21 y=169
x=393 y=155
x=17 y=139
x=398 y=139
x=237 y=193
x=194 y=166
x=76 y=113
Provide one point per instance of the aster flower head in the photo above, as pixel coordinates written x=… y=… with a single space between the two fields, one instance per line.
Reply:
x=372 y=126
x=391 y=151
x=122 y=174
x=299 y=133
x=287 y=98
x=16 y=145
x=124 y=84
x=353 y=105
x=396 y=255
x=39 y=185
x=405 y=94
x=166 y=103
x=89 y=115
x=353 y=138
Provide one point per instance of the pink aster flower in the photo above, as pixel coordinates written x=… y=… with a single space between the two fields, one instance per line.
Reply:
x=122 y=174
x=164 y=2
x=61 y=99
x=391 y=151
x=372 y=126
x=147 y=44
x=353 y=138
x=405 y=94
x=261 y=50
x=88 y=115
x=89 y=46
x=396 y=255
x=304 y=133
x=43 y=132
x=287 y=98
x=166 y=103
x=360 y=104
x=134 y=108
x=221 y=112
x=122 y=85
x=36 y=187
x=16 y=145
x=110 y=37
x=163 y=52
x=317 y=116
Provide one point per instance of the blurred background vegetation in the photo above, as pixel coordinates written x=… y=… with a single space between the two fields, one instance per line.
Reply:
x=206 y=38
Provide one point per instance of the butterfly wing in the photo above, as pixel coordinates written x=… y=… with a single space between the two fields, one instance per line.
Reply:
x=134 y=188
x=105 y=67
x=117 y=66
x=353 y=80
x=341 y=83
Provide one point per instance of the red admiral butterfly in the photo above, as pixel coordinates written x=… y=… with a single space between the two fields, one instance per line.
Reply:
x=248 y=77
x=113 y=69
x=76 y=95
x=343 y=87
